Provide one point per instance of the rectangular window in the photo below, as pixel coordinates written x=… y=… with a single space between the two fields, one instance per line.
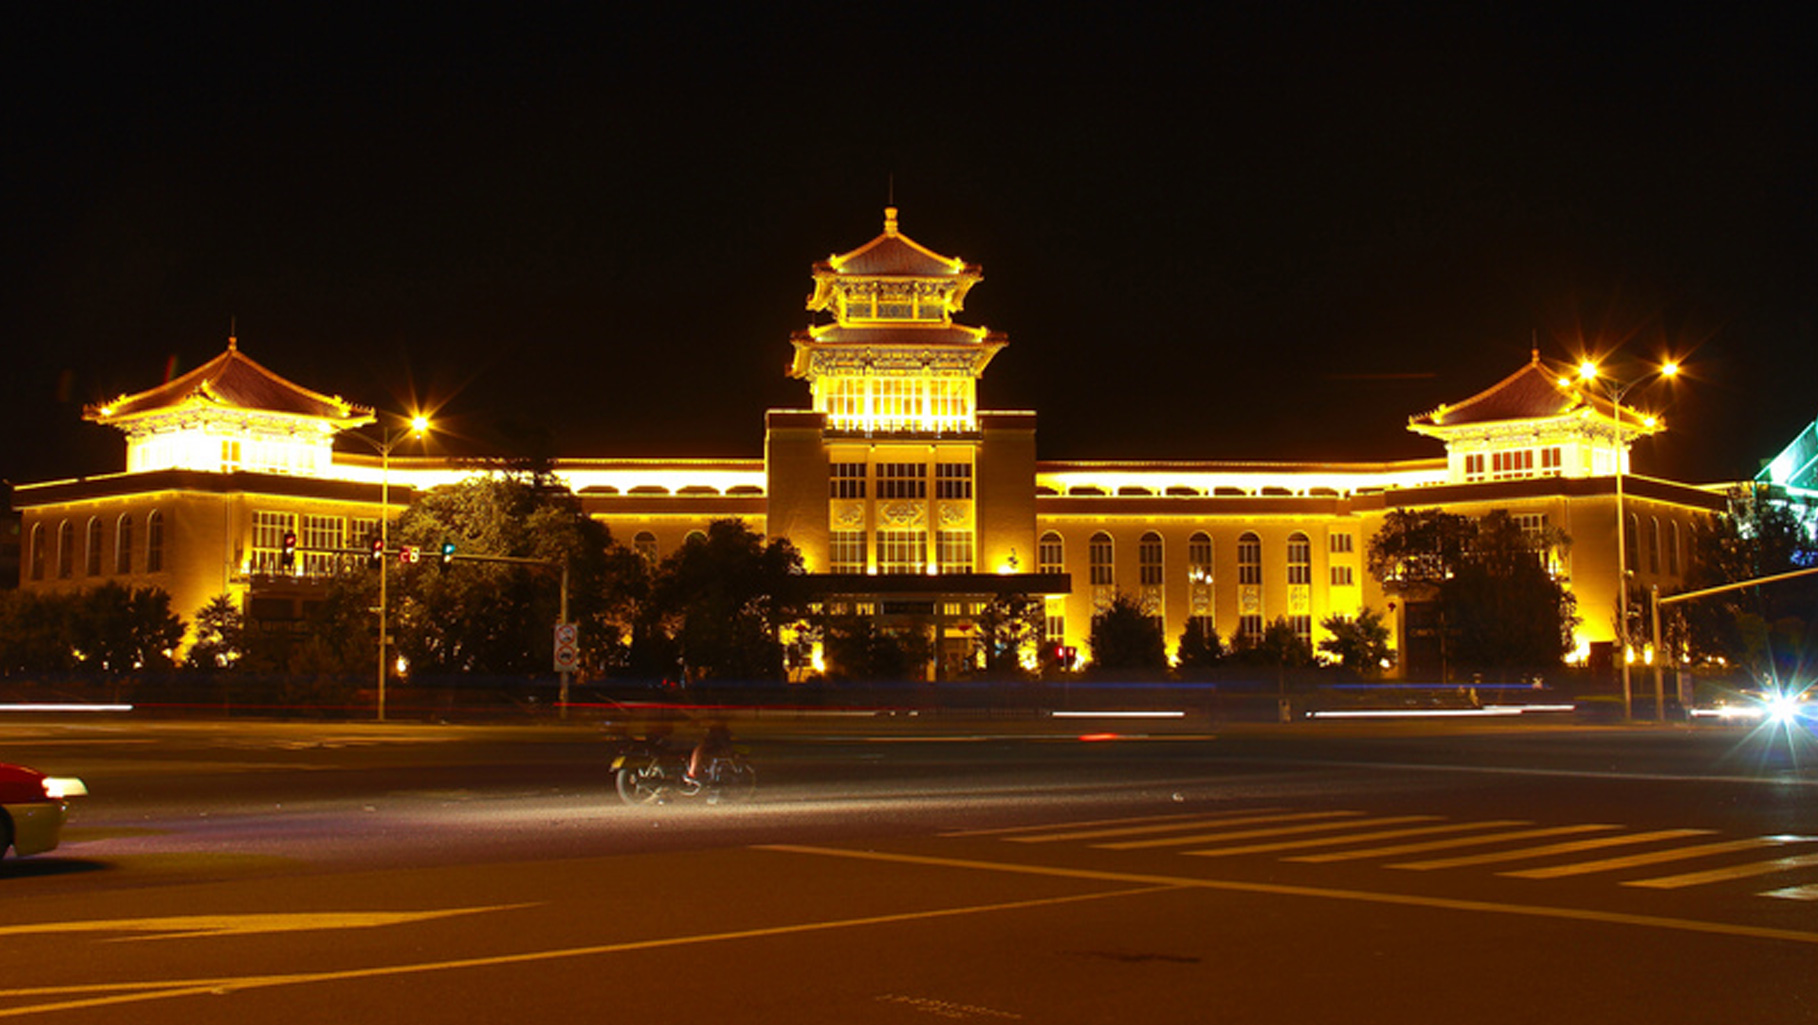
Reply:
x=846 y=551
x=847 y=480
x=1056 y=629
x=320 y=536
x=1512 y=465
x=953 y=551
x=953 y=480
x=268 y=533
x=1050 y=555
x=1474 y=467
x=1551 y=461
x=1341 y=544
x=902 y=551
x=1303 y=628
x=1342 y=577
x=901 y=480
x=1250 y=629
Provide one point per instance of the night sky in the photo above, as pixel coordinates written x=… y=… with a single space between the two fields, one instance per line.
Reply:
x=1263 y=235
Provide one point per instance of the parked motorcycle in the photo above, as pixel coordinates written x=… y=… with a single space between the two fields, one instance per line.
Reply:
x=653 y=772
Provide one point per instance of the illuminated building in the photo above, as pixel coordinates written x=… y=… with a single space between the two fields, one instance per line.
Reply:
x=908 y=502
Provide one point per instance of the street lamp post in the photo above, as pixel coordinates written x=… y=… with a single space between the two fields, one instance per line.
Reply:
x=419 y=426
x=1589 y=372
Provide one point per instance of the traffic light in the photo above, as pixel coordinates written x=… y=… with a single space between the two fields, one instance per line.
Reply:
x=448 y=554
x=378 y=551
x=287 y=556
x=408 y=554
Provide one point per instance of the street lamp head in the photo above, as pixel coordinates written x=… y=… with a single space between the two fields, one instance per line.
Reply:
x=1669 y=369
x=419 y=425
x=1587 y=371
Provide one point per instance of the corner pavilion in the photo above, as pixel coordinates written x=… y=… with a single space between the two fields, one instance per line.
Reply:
x=907 y=501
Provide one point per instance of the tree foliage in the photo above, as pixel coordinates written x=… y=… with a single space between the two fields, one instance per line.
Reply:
x=1200 y=648
x=726 y=598
x=858 y=651
x=111 y=629
x=1010 y=627
x=1359 y=645
x=1498 y=603
x=1125 y=636
x=1771 y=630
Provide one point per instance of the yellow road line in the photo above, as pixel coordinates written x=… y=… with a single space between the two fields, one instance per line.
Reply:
x=1649 y=858
x=1332 y=841
x=139 y=992
x=1162 y=882
x=1095 y=834
x=1440 y=845
x=1569 y=847
x=1249 y=834
x=1715 y=875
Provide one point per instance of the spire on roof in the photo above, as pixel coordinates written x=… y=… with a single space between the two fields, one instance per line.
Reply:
x=890 y=220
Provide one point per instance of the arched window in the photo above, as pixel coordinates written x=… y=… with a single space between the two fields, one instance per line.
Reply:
x=1149 y=559
x=1673 y=547
x=1653 y=544
x=66 y=549
x=1103 y=570
x=154 y=542
x=37 y=556
x=695 y=537
x=91 y=554
x=645 y=545
x=123 y=545
x=1050 y=555
x=1300 y=559
x=1249 y=559
x=1199 y=558
x=1631 y=543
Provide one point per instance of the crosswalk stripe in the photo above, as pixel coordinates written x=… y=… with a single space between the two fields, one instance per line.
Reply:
x=1198 y=816
x=1250 y=834
x=1715 y=875
x=1649 y=858
x=1569 y=847
x=1245 y=820
x=1329 y=841
x=1806 y=892
x=1440 y=845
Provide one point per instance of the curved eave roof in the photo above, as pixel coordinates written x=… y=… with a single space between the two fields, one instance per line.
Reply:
x=1531 y=393
x=899 y=339
x=893 y=254
x=233 y=381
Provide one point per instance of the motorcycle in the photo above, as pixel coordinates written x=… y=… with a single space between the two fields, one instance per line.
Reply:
x=653 y=772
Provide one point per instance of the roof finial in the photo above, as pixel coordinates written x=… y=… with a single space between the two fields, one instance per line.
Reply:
x=233 y=326
x=890 y=207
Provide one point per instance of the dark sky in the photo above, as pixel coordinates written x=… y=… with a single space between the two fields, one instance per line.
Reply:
x=1263 y=235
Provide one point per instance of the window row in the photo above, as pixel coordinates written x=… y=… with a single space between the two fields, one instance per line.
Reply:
x=95 y=553
x=1515 y=464
x=901 y=551
x=1646 y=551
x=1102 y=568
x=952 y=481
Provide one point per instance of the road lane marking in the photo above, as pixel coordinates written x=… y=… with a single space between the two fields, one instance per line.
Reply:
x=1649 y=858
x=1001 y=830
x=1163 y=882
x=1250 y=834
x=1333 y=841
x=1440 y=845
x=1715 y=875
x=120 y=993
x=1245 y=820
x=1569 y=847
x=187 y=926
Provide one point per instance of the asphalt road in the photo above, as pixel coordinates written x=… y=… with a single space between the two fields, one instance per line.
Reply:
x=892 y=872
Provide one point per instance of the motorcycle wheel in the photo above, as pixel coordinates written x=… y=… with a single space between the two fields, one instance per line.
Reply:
x=635 y=786
x=737 y=783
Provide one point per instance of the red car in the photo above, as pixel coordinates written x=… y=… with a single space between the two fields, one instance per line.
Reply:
x=32 y=808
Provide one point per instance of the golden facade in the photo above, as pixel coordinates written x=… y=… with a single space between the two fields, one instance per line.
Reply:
x=905 y=499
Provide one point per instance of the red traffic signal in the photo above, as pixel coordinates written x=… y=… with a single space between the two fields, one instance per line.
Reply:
x=378 y=550
x=408 y=554
x=287 y=555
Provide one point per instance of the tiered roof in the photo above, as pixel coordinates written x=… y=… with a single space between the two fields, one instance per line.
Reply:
x=231 y=381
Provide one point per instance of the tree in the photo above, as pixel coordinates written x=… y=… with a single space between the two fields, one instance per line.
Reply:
x=857 y=651
x=1010 y=627
x=1126 y=637
x=1772 y=630
x=121 y=630
x=728 y=596
x=497 y=617
x=35 y=632
x=1360 y=645
x=1279 y=646
x=1200 y=647
x=1493 y=598
x=220 y=635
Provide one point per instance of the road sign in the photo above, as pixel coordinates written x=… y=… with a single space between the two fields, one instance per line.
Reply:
x=567 y=647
